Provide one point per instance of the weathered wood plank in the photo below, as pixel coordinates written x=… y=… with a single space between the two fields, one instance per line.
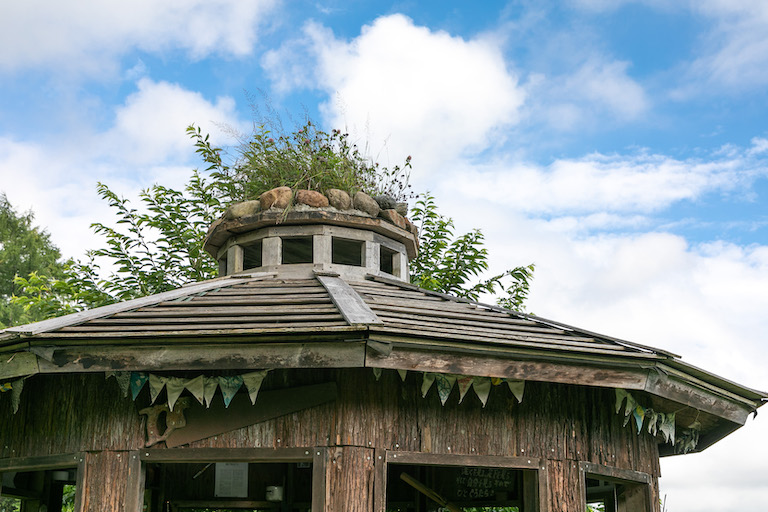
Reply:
x=205 y=422
x=155 y=327
x=698 y=398
x=489 y=366
x=352 y=307
x=222 y=335
x=240 y=454
x=148 y=358
x=84 y=316
x=17 y=364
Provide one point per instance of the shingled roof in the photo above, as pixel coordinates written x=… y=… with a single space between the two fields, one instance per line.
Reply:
x=326 y=315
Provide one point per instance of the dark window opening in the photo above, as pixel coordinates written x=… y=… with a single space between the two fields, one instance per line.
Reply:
x=55 y=489
x=252 y=255
x=387 y=260
x=479 y=489
x=297 y=250
x=347 y=252
x=223 y=486
x=614 y=495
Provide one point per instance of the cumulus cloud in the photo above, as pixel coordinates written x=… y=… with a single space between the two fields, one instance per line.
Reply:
x=145 y=144
x=150 y=126
x=407 y=85
x=85 y=35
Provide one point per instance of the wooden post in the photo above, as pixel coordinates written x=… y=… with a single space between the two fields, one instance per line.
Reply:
x=350 y=478
x=105 y=480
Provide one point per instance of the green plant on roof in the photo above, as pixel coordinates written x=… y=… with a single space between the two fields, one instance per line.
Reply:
x=307 y=158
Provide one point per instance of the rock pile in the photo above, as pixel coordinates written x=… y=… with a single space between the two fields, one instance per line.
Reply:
x=383 y=207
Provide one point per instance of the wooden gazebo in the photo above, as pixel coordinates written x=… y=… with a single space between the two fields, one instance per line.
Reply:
x=313 y=376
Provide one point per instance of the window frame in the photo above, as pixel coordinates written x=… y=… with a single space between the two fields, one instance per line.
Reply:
x=383 y=458
x=317 y=456
x=615 y=475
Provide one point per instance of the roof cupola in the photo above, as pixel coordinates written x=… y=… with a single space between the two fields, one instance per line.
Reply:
x=299 y=233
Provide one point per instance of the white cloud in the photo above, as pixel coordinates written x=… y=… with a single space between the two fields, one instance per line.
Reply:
x=614 y=183
x=150 y=126
x=735 y=51
x=598 y=89
x=409 y=86
x=86 y=35
x=146 y=144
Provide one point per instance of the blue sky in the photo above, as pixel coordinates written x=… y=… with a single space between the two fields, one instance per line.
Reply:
x=622 y=146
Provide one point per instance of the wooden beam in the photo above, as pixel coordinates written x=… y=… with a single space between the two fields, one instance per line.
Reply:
x=181 y=455
x=18 y=364
x=504 y=366
x=70 y=460
x=192 y=357
x=687 y=393
x=203 y=422
x=441 y=459
x=351 y=306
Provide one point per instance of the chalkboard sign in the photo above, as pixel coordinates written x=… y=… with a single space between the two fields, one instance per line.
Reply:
x=482 y=484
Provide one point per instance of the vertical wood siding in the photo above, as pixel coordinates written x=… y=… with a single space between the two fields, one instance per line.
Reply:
x=560 y=423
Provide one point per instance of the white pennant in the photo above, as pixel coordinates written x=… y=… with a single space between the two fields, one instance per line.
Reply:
x=174 y=387
x=156 y=385
x=253 y=382
x=403 y=374
x=209 y=389
x=196 y=386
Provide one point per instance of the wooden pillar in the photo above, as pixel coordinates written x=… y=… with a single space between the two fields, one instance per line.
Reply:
x=105 y=481
x=350 y=480
x=565 y=486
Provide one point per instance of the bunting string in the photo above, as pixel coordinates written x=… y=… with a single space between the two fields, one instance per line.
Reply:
x=202 y=387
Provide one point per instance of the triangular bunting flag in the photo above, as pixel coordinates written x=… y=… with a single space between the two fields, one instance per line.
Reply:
x=209 y=389
x=156 y=385
x=174 y=387
x=482 y=387
x=403 y=374
x=517 y=387
x=16 y=387
x=229 y=387
x=631 y=404
x=138 y=380
x=639 y=415
x=429 y=378
x=668 y=428
x=445 y=384
x=464 y=382
x=253 y=382
x=124 y=381
x=196 y=386
x=620 y=396
x=377 y=373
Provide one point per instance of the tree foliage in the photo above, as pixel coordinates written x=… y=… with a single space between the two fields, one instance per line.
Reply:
x=455 y=264
x=160 y=247
x=150 y=251
x=24 y=248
